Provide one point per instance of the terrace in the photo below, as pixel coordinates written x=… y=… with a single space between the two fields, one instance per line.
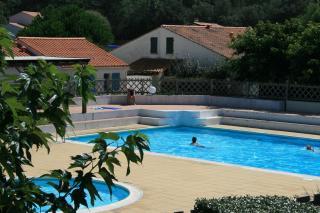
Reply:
x=183 y=132
x=170 y=183
x=171 y=180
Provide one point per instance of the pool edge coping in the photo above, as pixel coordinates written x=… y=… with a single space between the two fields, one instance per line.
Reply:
x=302 y=176
x=135 y=194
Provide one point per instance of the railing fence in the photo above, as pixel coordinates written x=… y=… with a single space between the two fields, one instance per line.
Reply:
x=270 y=91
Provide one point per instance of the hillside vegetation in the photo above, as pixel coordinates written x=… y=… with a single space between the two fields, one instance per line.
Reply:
x=131 y=18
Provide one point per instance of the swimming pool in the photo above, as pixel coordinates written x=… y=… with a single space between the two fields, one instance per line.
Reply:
x=119 y=193
x=280 y=153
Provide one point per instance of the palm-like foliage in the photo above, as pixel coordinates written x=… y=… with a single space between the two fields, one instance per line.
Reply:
x=5 y=44
x=41 y=93
x=84 y=79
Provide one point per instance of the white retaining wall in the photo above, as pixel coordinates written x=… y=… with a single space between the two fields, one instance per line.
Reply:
x=235 y=117
x=303 y=107
x=206 y=100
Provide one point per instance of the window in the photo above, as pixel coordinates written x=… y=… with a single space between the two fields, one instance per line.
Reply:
x=169 y=45
x=115 y=81
x=154 y=45
x=106 y=83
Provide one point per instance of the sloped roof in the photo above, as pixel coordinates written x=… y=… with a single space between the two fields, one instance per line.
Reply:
x=17 y=25
x=213 y=37
x=18 y=51
x=30 y=13
x=207 y=24
x=70 y=47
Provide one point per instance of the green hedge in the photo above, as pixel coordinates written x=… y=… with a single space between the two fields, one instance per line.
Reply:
x=249 y=204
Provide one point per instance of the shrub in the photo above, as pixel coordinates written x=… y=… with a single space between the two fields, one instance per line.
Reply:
x=191 y=68
x=251 y=204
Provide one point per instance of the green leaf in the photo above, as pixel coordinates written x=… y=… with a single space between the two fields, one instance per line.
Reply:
x=7 y=88
x=79 y=197
x=110 y=135
x=108 y=178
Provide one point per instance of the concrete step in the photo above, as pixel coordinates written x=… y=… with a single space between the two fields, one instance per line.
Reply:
x=271 y=116
x=272 y=125
x=155 y=113
x=210 y=113
x=95 y=124
x=154 y=121
x=98 y=115
x=210 y=120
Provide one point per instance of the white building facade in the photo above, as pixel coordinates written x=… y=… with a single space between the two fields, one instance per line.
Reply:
x=183 y=48
x=207 y=44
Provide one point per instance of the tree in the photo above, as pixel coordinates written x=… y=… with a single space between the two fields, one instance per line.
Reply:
x=131 y=18
x=41 y=93
x=71 y=21
x=5 y=44
x=262 y=52
x=279 y=52
x=312 y=12
x=84 y=78
x=304 y=55
x=2 y=13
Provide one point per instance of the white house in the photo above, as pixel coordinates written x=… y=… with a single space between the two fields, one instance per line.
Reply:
x=17 y=63
x=108 y=66
x=207 y=43
x=20 y=20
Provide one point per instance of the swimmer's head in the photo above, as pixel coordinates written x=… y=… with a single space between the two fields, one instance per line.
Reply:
x=309 y=147
x=194 y=139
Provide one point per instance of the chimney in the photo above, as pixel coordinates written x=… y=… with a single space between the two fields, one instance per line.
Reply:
x=24 y=49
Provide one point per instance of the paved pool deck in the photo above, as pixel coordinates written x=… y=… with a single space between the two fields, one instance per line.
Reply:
x=91 y=108
x=171 y=184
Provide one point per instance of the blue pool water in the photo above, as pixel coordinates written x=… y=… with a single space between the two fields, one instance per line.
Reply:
x=273 y=152
x=118 y=193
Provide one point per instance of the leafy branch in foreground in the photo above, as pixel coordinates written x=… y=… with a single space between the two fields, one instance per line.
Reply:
x=41 y=92
x=101 y=162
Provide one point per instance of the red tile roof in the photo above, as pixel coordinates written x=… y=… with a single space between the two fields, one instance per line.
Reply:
x=213 y=37
x=71 y=47
x=18 y=51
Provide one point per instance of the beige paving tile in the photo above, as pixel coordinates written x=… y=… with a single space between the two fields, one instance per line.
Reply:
x=267 y=131
x=171 y=184
x=77 y=109
x=111 y=129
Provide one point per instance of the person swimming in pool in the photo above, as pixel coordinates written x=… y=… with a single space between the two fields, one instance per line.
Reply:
x=195 y=143
x=310 y=148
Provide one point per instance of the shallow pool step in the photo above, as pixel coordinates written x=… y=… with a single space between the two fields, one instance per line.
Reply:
x=272 y=125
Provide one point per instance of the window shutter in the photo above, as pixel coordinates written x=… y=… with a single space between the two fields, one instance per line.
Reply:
x=170 y=44
x=154 y=45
